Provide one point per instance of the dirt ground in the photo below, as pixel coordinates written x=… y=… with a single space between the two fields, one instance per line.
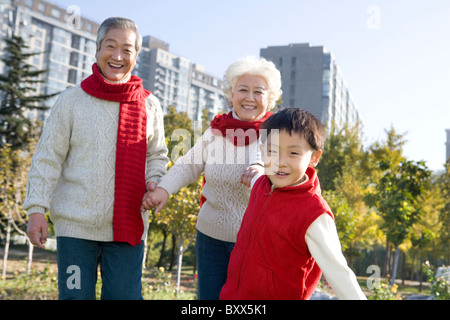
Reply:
x=18 y=260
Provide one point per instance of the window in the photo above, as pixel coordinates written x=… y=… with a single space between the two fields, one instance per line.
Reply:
x=293 y=75
x=293 y=61
x=56 y=13
x=72 y=76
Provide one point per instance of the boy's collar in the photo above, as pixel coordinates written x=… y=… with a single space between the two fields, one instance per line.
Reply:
x=304 y=179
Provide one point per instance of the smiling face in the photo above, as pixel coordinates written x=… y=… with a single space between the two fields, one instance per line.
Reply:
x=250 y=97
x=117 y=54
x=287 y=158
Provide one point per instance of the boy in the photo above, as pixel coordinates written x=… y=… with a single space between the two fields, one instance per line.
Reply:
x=288 y=236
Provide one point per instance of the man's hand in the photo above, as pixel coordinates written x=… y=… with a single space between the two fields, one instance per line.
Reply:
x=157 y=198
x=37 y=230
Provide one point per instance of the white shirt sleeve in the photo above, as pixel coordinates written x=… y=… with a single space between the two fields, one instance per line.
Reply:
x=323 y=243
x=256 y=177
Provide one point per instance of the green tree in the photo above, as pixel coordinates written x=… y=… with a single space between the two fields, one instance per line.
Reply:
x=18 y=94
x=344 y=176
x=381 y=157
x=179 y=217
x=398 y=198
x=444 y=234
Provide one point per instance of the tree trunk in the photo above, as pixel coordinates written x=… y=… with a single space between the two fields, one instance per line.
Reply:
x=420 y=274
x=30 y=256
x=163 y=248
x=181 y=250
x=387 y=259
x=403 y=268
x=394 y=272
x=173 y=252
x=8 y=240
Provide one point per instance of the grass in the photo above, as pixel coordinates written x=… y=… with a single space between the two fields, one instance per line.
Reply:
x=157 y=284
x=42 y=282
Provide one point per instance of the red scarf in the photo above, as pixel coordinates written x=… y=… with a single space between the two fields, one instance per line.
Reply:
x=238 y=131
x=131 y=151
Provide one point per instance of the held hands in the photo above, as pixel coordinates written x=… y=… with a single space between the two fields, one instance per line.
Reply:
x=154 y=197
x=157 y=197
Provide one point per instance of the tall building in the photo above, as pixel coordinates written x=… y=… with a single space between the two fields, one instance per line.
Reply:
x=312 y=81
x=177 y=81
x=67 y=42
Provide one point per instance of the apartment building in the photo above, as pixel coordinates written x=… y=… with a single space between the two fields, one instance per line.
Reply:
x=311 y=80
x=67 y=42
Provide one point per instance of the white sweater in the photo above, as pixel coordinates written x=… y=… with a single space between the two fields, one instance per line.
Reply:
x=73 y=169
x=221 y=215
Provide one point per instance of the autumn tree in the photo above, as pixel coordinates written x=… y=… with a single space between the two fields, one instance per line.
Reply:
x=14 y=166
x=179 y=217
x=344 y=176
x=398 y=195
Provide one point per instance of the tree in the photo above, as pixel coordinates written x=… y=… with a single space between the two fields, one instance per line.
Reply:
x=344 y=177
x=14 y=166
x=398 y=198
x=444 y=235
x=180 y=217
x=18 y=88
x=383 y=156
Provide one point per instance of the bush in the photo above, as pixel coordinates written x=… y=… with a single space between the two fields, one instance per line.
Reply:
x=440 y=281
x=383 y=291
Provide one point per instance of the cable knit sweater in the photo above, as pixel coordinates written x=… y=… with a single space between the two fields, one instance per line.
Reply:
x=73 y=167
x=222 y=163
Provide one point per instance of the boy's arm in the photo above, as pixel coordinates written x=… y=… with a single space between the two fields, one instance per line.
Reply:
x=323 y=243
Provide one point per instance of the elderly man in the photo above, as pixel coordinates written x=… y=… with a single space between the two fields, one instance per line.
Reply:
x=102 y=146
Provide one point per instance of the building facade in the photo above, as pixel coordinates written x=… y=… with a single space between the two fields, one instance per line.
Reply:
x=67 y=43
x=64 y=39
x=312 y=81
x=178 y=81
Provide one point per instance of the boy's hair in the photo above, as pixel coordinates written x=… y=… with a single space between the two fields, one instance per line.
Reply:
x=298 y=121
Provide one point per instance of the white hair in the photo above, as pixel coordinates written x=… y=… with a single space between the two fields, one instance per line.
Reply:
x=253 y=66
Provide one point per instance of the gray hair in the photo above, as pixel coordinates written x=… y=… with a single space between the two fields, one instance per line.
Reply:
x=253 y=66
x=118 y=23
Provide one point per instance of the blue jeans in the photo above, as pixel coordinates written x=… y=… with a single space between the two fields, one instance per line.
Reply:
x=213 y=257
x=120 y=267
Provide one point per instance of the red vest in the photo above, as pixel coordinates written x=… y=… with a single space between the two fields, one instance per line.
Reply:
x=270 y=259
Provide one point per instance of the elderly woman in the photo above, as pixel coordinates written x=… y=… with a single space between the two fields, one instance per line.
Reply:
x=228 y=155
x=102 y=142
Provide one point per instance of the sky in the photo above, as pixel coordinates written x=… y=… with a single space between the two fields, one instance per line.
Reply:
x=394 y=55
